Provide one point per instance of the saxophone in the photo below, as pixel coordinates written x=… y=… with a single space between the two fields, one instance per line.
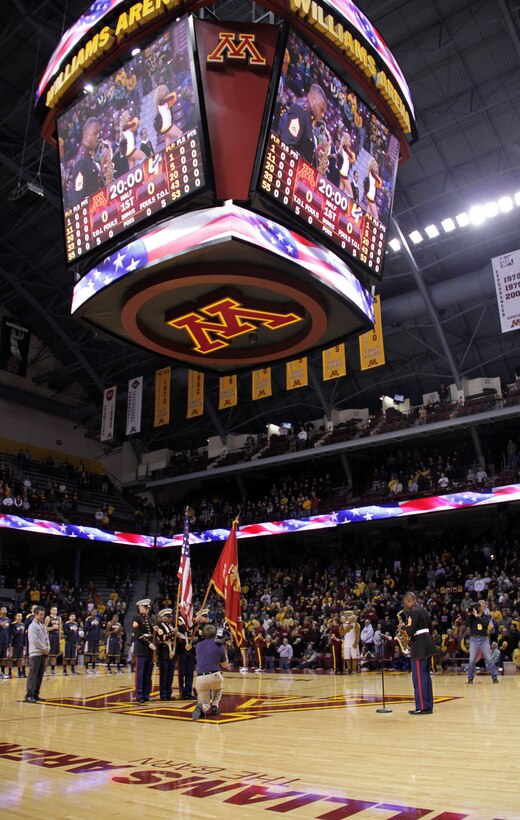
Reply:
x=107 y=168
x=401 y=636
x=324 y=144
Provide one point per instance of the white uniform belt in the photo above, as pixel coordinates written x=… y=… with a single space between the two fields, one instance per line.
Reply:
x=422 y=632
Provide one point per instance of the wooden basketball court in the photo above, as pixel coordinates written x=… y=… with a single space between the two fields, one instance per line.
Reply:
x=305 y=745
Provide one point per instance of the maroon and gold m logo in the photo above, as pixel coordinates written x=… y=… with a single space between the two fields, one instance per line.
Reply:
x=236 y=46
x=233 y=320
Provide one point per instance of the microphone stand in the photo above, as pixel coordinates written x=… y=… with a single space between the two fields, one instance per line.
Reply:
x=383 y=710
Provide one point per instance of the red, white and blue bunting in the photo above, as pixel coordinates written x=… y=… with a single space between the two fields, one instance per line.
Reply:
x=418 y=506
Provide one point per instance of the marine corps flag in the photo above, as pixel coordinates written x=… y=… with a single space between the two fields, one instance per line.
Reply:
x=371 y=345
x=226 y=582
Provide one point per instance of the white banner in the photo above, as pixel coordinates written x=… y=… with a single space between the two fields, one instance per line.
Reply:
x=109 y=413
x=134 y=406
x=506 y=272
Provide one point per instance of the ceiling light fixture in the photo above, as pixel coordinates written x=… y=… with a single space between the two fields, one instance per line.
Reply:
x=505 y=203
x=395 y=245
x=416 y=237
x=431 y=231
x=462 y=219
x=448 y=224
x=477 y=215
x=135 y=52
x=492 y=209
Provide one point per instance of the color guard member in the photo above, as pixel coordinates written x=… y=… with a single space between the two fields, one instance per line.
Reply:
x=53 y=624
x=70 y=654
x=185 y=656
x=17 y=643
x=5 y=633
x=86 y=176
x=165 y=637
x=418 y=628
x=113 y=649
x=299 y=122
x=144 y=647
x=92 y=628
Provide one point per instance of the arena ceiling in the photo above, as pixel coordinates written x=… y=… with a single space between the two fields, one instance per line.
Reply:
x=462 y=61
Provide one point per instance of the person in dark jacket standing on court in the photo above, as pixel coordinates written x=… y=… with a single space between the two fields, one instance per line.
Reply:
x=418 y=628
x=478 y=621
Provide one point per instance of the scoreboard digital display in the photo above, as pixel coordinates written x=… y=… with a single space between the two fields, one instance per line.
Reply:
x=328 y=159
x=133 y=145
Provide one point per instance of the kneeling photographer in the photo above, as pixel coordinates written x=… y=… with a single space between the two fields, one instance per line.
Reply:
x=211 y=658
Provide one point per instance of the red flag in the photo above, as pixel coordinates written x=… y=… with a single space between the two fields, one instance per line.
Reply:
x=226 y=581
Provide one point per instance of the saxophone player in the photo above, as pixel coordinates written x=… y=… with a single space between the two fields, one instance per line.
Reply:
x=165 y=639
x=422 y=648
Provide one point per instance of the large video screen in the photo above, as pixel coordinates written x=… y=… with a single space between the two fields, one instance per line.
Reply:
x=329 y=159
x=133 y=145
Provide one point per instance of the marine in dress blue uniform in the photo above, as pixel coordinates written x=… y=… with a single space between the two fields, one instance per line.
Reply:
x=17 y=640
x=298 y=126
x=5 y=636
x=70 y=654
x=86 y=176
x=144 y=648
x=165 y=638
x=422 y=648
x=92 y=629
x=185 y=655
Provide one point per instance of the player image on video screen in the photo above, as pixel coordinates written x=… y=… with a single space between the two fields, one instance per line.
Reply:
x=133 y=145
x=338 y=173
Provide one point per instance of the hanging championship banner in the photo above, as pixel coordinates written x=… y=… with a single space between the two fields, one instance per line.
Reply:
x=195 y=394
x=261 y=384
x=109 y=414
x=14 y=347
x=227 y=392
x=296 y=374
x=334 y=362
x=134 y=406
x=506 y=273
x=371 y=344
x=161 y=414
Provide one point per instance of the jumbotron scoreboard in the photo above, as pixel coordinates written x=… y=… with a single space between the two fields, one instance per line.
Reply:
x=212 y=163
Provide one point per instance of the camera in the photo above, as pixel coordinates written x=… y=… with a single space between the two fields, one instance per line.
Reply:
x=222 y=635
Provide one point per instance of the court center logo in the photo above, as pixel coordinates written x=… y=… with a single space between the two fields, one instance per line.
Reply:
x=236 y=46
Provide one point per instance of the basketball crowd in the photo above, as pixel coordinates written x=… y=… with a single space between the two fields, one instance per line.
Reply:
x=300 y=605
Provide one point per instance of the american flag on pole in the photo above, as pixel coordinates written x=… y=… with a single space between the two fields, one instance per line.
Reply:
x=184 y=576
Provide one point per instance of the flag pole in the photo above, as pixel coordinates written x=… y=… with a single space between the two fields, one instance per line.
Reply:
x=177 y=603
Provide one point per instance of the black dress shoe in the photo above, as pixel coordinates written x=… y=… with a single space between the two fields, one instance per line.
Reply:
x=29 y=700
x=215 y=710
x=420 y=712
